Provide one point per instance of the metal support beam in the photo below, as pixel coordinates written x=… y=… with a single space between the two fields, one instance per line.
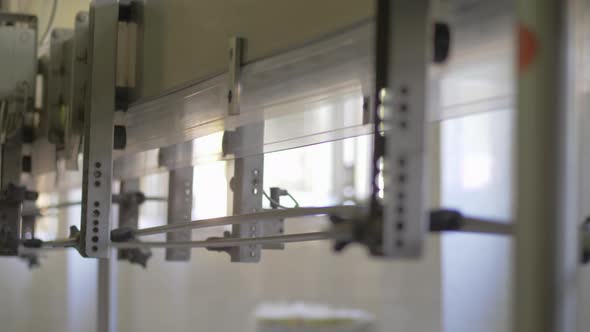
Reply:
x=547 y=174
x=99 y=130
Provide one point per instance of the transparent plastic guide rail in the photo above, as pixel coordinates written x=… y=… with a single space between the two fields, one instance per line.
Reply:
x=314 y=94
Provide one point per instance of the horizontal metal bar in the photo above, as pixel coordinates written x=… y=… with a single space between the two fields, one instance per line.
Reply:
x=56 y=244
x=469 y=225
x=445 y=220
x=115 y=200
x=223 y=243
x=268 y=215
x=478 y=225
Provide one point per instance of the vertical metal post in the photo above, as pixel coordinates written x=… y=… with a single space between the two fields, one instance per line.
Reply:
x=99 y=130
x=107 y=295
x=246 y=183
x=178 y=159
x=247 y=187
x=546 y=192
x=180 y=203
x=401 y=141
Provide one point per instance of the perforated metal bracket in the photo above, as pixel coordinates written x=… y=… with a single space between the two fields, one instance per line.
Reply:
x=405 y=168
x=246 y=186
x=99 y=130
x=180 y=197
x=399 y=213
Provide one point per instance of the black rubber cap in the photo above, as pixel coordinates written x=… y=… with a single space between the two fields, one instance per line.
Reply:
x=27 y=164
x=442 y=42
x=122 y=234
x=122 y=97
x=28 y=134
x=445 y=220
x=120 y=138
x=126 y=13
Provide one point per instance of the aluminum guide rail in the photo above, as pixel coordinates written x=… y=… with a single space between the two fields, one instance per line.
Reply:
x=284 y=86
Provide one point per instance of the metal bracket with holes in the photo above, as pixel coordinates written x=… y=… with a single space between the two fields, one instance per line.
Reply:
x=99 y=130
x=246 y=182
x=180 y=196
x=405 y=165
x=247 y=186
x=399 y=195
